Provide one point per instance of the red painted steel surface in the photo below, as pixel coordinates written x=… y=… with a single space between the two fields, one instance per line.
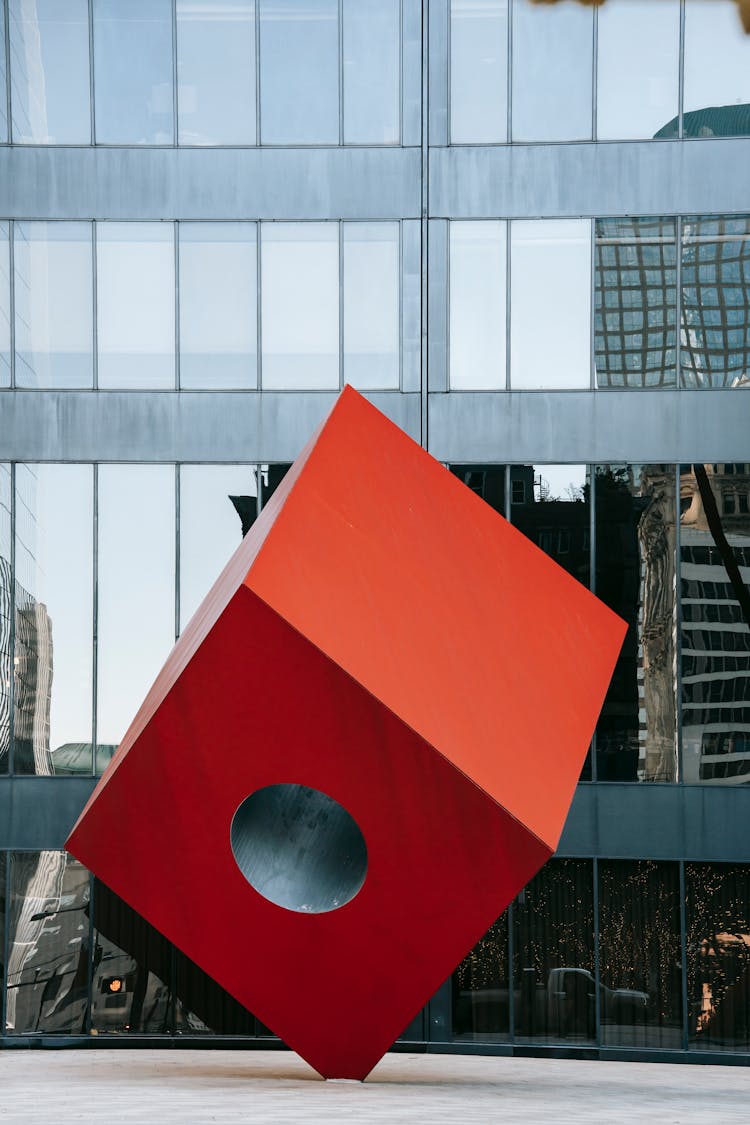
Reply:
x=383 y=636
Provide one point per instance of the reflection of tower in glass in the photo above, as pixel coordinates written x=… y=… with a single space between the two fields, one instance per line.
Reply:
x=715 y=632
x=32 y=661
x=635 y=575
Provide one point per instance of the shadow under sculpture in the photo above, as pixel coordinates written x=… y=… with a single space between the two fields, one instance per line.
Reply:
x=429 y=680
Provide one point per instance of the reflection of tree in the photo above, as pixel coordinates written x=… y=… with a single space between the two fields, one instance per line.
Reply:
x=718 y=954
x=639 y=920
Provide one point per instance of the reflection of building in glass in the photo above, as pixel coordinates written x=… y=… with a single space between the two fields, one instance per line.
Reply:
x=715 y=631
x=636 y=302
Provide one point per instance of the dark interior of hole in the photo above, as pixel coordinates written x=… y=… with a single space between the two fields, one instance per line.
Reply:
x=299 y=848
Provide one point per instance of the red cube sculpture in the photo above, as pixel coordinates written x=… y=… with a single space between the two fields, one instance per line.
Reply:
x=362 y=747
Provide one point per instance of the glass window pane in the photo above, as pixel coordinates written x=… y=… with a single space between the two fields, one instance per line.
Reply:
x=218 y=505
x=550 y=504
x=52 y=265
x=636 y=737
x=479 y=71
x=3 y=80
x=300 y=305
x=4 y=305
x=132 y=970
x=488 y=481
x=718 y=956
x=717 y=70
x=553 y=964
x=136 y=628
x=372 y=51
x=640 y=964
x=550 y=301
x=203 y=1008
x=136 y=295
x=481 y=989
x=49 y=50
x=715 y=328
x=371 y=305
x=48 y=944
x=218 y=305
x=477 y=305
x=635 y=303
x=715 y=651
x=299 y=66
x=6 y=613
x=133 y=72
x=54 y=619
x=552 y=71
x=216 y=72
x=638 y=68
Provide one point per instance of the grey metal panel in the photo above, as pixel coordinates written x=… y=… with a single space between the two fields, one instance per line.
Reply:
x=438 y=71
x=39 y=812
x=437 y=299
x=621 y=821
x=173 y=426
x=215 y=183
x=612 y=178
x=411 y=72
x=578 y=426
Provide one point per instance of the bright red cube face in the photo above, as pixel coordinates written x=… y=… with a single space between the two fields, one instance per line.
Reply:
x=361 y=748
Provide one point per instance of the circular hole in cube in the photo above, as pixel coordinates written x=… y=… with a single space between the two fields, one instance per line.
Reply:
x=299 y=848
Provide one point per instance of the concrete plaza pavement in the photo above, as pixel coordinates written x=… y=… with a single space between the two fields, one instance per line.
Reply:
x=185 y=1086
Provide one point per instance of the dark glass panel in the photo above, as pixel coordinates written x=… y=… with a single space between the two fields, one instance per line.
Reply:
x=715 y=327
x=6 y=601
x=635 y=303
x=718 y=956
x=635 y=575
x=481 y=988
x=203 y=1007
x=488 y=481
x=132 y=970
x=715 y=604
x=640 y=966
x=550 y=505
x=553 y=962
x=48 y=944
x=270 y=477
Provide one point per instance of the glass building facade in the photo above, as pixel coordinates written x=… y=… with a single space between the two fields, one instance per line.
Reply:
x=523 y=231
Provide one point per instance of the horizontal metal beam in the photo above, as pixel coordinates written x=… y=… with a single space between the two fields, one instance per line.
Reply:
x=706 y=823
x=173 y=426
x=589 y=426
x=700 y=176
x=216 y=183
x=39 y=812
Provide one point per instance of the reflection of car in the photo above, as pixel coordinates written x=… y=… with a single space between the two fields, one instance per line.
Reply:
x=564 y=1008
x=570 y=992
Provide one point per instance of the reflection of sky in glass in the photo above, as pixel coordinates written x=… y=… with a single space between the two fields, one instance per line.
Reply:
x=54 y=304
x=371 y=71
x=136 y=575
x=371 y=304
x=136 y=296
x=218 y=306
x=133 y=71
x=638 y=66
x=550 y=340
x=49 y=49
x=299 y=72
x=4 y=306
x=717 y=55
x=477 y=305
x=552 y=71
x=300 y=308
x=216 y=71
x=479 y=71
x=3 y=103
x=210 y=528
x=54 y=563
